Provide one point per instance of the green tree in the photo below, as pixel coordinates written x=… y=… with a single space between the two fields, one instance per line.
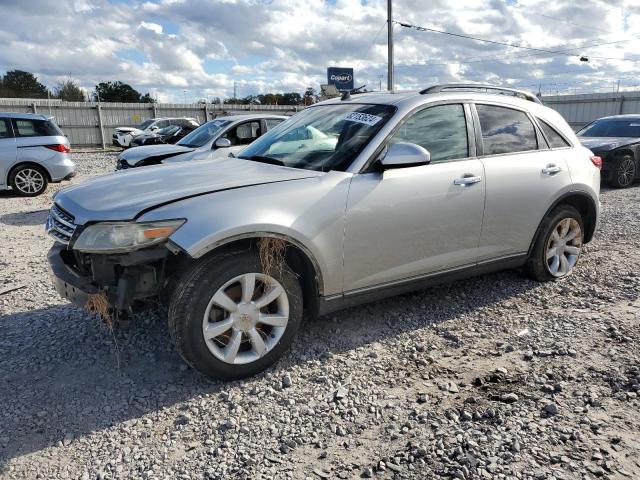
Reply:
x=120 y=92
x=69 y=90
x=310 y=96
x=21 y=84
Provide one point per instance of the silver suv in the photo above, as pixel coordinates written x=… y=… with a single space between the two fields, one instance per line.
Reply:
x=348 y=201
x=33 y=152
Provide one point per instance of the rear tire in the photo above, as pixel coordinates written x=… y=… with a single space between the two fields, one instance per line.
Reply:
x=224 y=332
x=623 y=171
x=29 y=180
x=558 y=245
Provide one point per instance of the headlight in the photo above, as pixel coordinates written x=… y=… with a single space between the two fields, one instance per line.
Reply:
x=124 y=236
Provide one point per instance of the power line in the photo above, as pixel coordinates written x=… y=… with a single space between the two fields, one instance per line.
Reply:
x=469 y=37
x=503 y=57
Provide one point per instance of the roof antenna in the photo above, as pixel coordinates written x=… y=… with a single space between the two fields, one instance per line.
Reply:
x=346 y=95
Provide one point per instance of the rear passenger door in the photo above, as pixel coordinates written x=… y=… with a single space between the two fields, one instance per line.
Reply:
x=523 y=178
x=8 y=151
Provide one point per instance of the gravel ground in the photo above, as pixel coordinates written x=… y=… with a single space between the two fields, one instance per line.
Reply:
x=493 y=377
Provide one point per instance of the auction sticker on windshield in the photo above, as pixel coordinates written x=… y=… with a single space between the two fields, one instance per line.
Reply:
x=364 y=118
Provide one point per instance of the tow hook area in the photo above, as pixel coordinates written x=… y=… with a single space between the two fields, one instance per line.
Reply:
x=122 y=279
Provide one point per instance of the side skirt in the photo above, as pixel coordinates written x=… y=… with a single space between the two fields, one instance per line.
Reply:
x=353 y=298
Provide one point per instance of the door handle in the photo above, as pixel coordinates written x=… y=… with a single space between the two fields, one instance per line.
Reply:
x=467 y=179
x=551 y=169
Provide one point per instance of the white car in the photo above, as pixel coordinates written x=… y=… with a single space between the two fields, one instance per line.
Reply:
x=122 y=136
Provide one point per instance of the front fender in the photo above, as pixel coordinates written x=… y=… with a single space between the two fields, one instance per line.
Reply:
x=307 y=212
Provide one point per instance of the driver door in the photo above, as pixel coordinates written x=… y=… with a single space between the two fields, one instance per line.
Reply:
x=405 y=223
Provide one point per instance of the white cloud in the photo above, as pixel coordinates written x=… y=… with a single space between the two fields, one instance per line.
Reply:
x=168 y=46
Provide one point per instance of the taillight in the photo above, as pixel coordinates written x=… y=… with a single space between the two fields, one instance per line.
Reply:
x=59 y=147
x=597 y=161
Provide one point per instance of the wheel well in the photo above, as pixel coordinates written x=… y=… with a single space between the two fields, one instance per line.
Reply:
x=298 y=260
x=587 y=210
x=33 y=164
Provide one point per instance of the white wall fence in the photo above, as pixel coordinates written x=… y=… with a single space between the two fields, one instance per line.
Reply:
x=578 y=110
x=92 y=123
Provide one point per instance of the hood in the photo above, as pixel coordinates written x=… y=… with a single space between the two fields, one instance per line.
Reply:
x=605 y=144
x=131 y=130
x=124 y=195
x=136 y=155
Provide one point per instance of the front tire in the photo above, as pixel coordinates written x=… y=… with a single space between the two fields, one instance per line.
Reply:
x=558 y=245
x=230 y=320
x=623 y=171
x=29 y=180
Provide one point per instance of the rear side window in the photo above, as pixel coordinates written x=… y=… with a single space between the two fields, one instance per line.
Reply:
x=5 y=129
x=505 y=130
x=35 y=128
x=442 y=130
x=555 y=139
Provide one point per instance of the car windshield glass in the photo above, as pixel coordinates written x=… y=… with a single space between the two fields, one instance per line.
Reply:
x=323 y=138
x=145 y=124
x=612 y=128
x=168 y=130
x=204 y=133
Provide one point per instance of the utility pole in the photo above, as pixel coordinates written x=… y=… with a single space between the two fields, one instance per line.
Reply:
x=380 y=77
x=234 y=92
x=618 y=87
x=389 y=46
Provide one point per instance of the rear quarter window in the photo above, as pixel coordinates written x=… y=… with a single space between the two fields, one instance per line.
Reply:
x=555 y=139
x=35 y=128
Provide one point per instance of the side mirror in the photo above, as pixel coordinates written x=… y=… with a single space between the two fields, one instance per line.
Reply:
x=400 y=155
x=154 y=128
x=222 y=143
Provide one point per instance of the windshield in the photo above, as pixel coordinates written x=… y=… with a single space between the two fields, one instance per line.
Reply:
x=145 y=124
x=612 y=128
x=168 y=130
x=204 y=133
x=323 y=138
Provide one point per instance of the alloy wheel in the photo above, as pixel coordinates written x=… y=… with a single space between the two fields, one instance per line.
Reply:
x=245 y=318
x=626 y=171
x=29 y=180
x=563 y=247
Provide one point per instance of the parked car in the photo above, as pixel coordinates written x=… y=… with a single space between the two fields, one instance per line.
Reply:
x=214 y=139
x=122 y=136
x=616 y=140
x=170 y=134
x=413 y=189
x=33 y=152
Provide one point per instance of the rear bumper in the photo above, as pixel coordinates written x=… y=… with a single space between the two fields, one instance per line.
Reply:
x=61 y=169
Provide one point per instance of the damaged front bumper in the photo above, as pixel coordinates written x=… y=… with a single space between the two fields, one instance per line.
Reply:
x=123 y=278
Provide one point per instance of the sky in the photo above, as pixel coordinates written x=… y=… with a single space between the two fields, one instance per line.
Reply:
x=193 y=49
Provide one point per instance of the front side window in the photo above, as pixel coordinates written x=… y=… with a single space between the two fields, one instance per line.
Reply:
x=203 y=134
x=442 y=130
x=244 y=133
x=5 y=129
x=505 y=130
x=555 y=139
x=322 y=138
x=35 y=128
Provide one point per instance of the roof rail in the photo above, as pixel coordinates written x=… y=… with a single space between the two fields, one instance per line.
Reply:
x=479 y=86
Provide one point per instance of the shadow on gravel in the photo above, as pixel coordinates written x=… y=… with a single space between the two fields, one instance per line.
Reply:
x=61 y=374
x=37 y=217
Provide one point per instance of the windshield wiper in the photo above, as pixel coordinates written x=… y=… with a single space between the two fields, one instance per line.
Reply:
x=264 y=159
